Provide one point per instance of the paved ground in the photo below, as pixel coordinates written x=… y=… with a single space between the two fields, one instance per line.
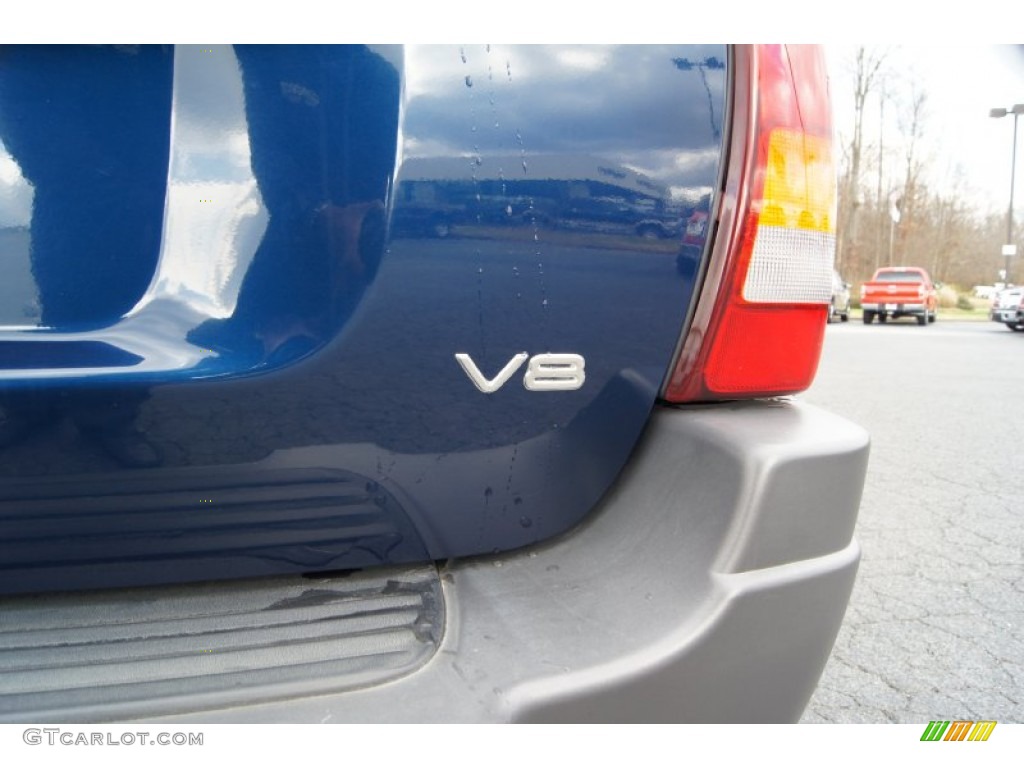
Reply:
x=935 y=629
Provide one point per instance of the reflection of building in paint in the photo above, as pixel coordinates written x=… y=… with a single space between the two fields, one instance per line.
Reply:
x=436 y=194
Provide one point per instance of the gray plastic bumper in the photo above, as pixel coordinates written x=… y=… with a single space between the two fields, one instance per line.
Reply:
x=708 y=587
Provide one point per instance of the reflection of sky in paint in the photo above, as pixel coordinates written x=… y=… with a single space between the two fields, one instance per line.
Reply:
x=16 y=194
x=214 y=216
x=603 y=101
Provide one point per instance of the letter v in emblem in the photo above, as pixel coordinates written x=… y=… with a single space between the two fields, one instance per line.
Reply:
x=489 y=386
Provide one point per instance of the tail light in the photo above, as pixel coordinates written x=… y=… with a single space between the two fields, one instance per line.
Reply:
x=760 y=319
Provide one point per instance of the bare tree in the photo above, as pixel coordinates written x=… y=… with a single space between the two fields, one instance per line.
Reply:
x=940 y=228
x=917 y=238
x=881 y=229
x=867 y=70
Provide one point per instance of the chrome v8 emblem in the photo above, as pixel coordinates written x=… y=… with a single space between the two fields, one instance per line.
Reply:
x=546 y=372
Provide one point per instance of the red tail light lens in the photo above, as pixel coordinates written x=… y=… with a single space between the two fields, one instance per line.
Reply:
x=760 y=318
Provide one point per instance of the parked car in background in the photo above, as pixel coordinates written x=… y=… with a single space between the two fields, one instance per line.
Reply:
x=1006 y=308
x=895 y=292
x=358 y=391
x=839 y=306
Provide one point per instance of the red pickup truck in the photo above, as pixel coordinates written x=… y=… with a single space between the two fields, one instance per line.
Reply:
x=899 y=292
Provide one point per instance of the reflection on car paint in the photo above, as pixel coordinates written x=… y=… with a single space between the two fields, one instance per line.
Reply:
x=318 y=265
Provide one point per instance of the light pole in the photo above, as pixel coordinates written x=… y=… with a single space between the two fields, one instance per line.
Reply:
x=1009 y=249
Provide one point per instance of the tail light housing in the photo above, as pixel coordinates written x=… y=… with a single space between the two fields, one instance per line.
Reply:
x=760 y=319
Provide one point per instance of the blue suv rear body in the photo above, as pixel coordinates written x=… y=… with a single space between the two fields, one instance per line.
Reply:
x=380 y=334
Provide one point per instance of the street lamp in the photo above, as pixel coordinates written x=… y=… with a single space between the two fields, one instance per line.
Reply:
x=1010 y=249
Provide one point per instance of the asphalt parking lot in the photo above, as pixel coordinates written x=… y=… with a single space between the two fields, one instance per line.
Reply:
x=935 y=627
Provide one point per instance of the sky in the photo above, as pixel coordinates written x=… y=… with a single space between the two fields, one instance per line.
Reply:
x=963 y=147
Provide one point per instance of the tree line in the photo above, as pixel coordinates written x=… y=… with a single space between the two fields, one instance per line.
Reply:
x=884 y=177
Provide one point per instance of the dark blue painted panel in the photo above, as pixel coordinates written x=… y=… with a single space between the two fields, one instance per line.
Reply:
x=318 y=267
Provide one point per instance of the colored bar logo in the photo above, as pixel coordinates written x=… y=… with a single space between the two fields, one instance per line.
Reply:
x=958 y=730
